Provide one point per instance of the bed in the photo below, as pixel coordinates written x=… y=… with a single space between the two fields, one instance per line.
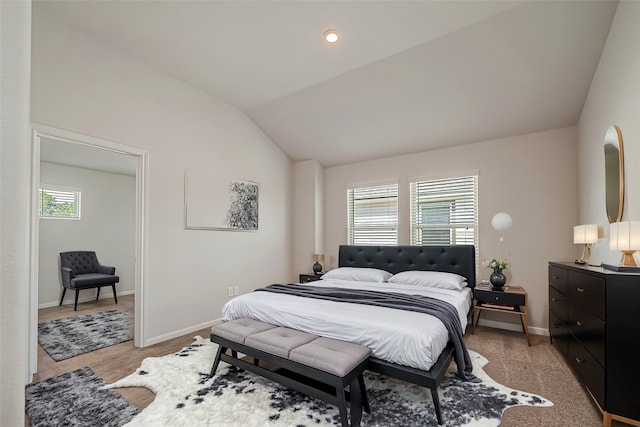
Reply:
x=411 y=345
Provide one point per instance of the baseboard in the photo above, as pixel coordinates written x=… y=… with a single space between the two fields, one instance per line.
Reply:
x=181 y=332
x=105 y=295
x=511 y=327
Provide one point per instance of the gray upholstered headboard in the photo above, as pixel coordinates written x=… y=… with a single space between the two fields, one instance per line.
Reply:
x=459 y=259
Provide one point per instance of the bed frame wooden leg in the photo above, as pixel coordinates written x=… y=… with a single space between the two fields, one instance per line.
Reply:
x=436 y=404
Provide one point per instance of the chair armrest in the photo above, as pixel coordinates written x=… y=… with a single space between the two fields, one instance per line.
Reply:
x=105 y=269
x=67 y=275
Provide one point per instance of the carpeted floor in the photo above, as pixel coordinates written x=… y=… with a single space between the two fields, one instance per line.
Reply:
x=76 y=398
x=185 y=396
x=71 y=336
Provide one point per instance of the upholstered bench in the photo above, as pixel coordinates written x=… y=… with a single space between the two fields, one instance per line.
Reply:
x=318 y=360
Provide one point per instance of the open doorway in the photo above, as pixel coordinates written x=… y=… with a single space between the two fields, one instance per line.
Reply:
x=111 y=220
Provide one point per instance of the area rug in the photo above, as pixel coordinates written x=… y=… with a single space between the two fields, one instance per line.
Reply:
x=76 y=398
x=185 y=396
x=71 y=336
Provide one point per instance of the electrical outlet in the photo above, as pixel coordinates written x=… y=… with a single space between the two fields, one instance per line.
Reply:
x=236 y=290
x=230 y=291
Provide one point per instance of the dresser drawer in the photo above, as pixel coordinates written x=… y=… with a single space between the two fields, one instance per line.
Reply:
x=559 y=333
x=588 y=371
x=587 y=291
x=589 y=330
x=558 y=278
x=558 y=303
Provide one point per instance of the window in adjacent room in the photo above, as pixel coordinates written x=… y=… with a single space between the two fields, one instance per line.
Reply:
x=373 y=215
x=59 y=202
x=444 y=211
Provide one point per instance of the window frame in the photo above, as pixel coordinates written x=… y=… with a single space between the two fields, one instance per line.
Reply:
x=75 y=192
x=372 y=228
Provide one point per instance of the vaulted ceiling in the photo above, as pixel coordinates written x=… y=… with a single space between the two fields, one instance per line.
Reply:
x=405 y=76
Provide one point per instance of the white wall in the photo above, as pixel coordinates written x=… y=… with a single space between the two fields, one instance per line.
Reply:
x=532 y=177
x=614 y=98
x=308 y=207
x=106 y=226
x=84 y=86
x=15 y=33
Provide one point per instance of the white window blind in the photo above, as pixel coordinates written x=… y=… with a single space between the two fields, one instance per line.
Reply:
x=58 y=202
x=444 y=211
x=373 y=215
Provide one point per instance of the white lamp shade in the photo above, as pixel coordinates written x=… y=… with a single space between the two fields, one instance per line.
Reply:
x=624 y=235
x=585 y=234
x=501 y=221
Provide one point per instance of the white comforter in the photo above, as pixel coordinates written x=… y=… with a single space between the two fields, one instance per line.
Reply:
x=402 y=337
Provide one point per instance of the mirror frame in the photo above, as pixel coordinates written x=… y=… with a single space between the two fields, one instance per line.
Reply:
x=613 y=137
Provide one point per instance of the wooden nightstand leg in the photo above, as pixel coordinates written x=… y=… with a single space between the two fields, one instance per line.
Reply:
x=476 y=316
x=606 y=419
x=525 y=328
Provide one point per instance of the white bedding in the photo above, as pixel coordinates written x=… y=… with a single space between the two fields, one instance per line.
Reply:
x=398 y=336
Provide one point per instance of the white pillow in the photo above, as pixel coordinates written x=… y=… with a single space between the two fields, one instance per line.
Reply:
x=433 y=279
x=358 y=273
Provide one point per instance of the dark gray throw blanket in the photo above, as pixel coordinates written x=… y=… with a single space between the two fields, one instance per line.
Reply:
x=444 y=311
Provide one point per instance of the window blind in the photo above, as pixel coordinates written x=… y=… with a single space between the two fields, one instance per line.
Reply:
x=59 y=203
x=373 y=215
x=444 y=211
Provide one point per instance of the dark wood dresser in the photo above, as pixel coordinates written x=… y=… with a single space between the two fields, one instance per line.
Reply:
x=593 y=321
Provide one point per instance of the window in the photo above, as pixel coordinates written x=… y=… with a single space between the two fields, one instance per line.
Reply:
x=373 y=215
x=59 y=202
x=444 y=211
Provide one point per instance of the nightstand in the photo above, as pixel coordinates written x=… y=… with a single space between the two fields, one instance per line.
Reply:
x=512 y=300
x=310 y=277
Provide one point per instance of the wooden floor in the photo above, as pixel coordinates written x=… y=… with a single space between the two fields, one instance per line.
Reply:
x=111 y=363
x=538 y=368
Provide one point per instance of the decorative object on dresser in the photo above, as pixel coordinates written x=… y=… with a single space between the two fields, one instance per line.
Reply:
x=306 y=278
x=512 y=299
x=317 y=267
x=624 y=237
x=587 y=235
x=591 y=321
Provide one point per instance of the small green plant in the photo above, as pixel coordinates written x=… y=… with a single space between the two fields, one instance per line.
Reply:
x=494 y=263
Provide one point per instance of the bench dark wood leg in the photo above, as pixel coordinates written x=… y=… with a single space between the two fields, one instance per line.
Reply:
x=115 y=297
x=216 y=361
x=342 y=406
x=356 y=402
x=436 y=404
x=363 y=391
x=75 y=307
x=98 y=293
x=64 y=291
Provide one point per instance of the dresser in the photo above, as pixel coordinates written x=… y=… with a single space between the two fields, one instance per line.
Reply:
x=593 y=321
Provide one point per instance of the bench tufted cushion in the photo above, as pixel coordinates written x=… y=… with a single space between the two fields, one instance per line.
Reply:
x=238 y=330
x=329 y=355
x=279 y=341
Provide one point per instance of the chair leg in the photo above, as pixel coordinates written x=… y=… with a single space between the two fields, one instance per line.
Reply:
x=98 y=294
x=75 y=307
x=115 y=297
x=64 y=290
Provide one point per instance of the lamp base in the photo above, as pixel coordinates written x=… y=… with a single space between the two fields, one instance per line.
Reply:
x=627 y=259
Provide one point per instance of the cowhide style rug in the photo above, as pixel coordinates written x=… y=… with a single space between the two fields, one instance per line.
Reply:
x=72 y=336
x=185 y=396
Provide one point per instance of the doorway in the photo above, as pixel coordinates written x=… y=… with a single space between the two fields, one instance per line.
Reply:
x=59 y=151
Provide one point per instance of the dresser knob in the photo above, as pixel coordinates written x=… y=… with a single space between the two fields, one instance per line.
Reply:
x=580 y=289
x=579 y=323
x=579 y=361
x=497 y=298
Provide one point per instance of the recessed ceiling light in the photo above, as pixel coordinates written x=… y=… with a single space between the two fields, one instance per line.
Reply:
x=331 y=36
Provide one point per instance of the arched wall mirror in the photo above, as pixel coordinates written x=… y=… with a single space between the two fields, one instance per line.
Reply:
x=614 y=173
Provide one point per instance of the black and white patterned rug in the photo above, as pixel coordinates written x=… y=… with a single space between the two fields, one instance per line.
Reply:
x=185 y=396
x=71 y=336
x=76 y=399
